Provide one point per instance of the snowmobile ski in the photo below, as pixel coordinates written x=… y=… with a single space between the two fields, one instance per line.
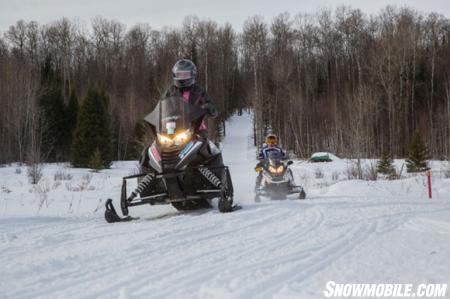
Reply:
x=111 y=215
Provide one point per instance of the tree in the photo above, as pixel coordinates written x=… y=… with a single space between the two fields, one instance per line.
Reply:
x=385 y=164
x=93 y=130
x=51 y=104
x=71 y=114
x=96 y=161
x=418 y=155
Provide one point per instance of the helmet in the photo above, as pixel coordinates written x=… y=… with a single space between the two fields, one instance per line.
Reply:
x=271 y=139
x=184 y=73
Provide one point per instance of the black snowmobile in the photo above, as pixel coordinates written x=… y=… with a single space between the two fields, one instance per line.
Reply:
x=180 y=167
x=277 y=180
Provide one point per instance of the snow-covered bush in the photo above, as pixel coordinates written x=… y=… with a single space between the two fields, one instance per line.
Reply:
x=5 y=189
x=318 y=173
x=42 y=189
x=335 y=176
x=352 y=171
x=34 y=172
x=80 y=185
x=369 y=172
x=62 y=175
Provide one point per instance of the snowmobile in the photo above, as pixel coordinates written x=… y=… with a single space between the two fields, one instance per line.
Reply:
x=277 y=180
x=180 y=168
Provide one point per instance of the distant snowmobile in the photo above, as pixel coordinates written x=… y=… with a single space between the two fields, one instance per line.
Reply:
x=181 y=168
x=277 y=179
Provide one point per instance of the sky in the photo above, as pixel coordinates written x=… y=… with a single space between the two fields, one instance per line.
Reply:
x=171 y=13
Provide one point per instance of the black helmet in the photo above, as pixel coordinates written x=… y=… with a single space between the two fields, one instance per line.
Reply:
x=184 y=73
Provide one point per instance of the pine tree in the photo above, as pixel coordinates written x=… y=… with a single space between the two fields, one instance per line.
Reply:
x=93 y=130
x=51 y=104
x=418 y=154
x=70 y=122
x=385 y=164
x=139 y=141
x=96 y=162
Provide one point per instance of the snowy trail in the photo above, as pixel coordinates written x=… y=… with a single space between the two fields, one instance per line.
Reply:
x=273 y=249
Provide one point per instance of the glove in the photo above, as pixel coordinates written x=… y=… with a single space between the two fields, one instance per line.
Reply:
x=258 y=168
x=210 y=109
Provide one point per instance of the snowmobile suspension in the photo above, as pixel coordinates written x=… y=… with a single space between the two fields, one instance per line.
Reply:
x=142 y=185
x=210 y=176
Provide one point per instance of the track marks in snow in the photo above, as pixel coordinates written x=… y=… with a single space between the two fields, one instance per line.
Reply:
x=302 y=256
x=255 y=252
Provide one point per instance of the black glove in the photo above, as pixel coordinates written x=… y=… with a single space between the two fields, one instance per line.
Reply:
x=210 y=109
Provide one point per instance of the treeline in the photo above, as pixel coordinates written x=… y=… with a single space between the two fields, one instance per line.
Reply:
x=47 y=70
x=348 y=83
x=337 y=80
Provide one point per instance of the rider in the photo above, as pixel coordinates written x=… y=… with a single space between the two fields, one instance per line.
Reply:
x=184 y=74
x=270 y=146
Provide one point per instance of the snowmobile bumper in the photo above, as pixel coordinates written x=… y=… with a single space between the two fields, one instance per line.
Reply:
x=164 y=197
x=273 y=191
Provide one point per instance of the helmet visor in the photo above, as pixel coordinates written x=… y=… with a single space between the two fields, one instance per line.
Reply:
x=182 y=75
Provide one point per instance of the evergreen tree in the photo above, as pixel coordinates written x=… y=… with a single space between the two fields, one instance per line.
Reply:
x=96 y=161
x=385 y=164
x=140 y=140
x=70 y=122
x=51 y=104
x=93 y=130
x=418 y=154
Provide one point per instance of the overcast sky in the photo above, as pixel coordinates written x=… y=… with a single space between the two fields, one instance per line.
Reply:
x=160 y=13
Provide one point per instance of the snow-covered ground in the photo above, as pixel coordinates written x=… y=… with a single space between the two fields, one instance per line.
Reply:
x=54 y=242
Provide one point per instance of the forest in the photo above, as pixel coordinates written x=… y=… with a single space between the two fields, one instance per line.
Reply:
x=341 y=81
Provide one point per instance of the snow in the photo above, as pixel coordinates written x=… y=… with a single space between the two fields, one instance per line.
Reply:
x=54 y=242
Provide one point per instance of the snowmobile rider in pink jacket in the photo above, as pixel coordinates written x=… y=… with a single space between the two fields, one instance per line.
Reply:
x=184 y=74
x=184 y=86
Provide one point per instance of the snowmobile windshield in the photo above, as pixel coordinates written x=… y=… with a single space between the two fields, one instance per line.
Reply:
x=173 y=115
x=275 y=158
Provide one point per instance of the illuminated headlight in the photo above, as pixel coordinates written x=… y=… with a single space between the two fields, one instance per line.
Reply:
x=164 y=140
x=278 y=169
x=183 y=137
x=179 y=139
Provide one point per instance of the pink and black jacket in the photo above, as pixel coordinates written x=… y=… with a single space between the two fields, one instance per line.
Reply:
x=197 y=96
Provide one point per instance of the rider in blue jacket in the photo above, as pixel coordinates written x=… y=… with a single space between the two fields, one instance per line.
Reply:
x=270 y=146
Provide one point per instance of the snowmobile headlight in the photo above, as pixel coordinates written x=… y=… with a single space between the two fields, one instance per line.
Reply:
x=164 y=140
x=277 y=170
x=182 y=137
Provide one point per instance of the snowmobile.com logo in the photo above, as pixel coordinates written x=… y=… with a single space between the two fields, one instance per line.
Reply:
x=384 y=290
